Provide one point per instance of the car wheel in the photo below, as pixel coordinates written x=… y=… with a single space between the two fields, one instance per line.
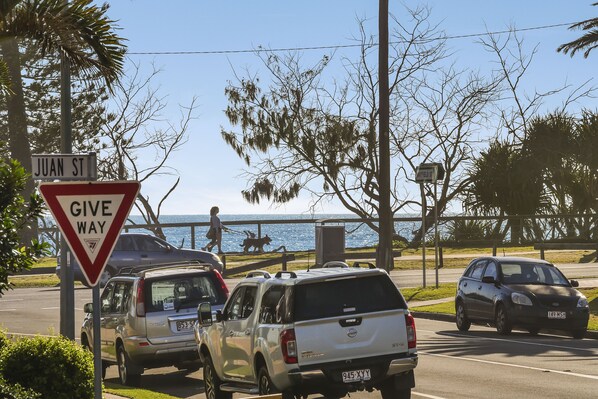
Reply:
x=503 y=324
x=264 y=383
x=126 y=374
x=462 y=320
x=212 y=382
x=105 y=276
x=579 y=334
x=390 y=391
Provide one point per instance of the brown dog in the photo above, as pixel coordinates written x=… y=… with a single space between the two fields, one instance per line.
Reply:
x=256 y=243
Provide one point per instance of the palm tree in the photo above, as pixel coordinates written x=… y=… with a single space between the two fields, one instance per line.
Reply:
x=77 y=30
x=589 y=41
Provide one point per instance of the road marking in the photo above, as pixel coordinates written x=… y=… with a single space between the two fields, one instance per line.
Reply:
x=7 y=310
x=12 y=300
x=423 y=395
x=51 y=308
x=513 y=341
x=568 y=373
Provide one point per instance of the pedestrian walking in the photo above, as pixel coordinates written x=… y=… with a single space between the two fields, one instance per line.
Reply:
x=215 y=231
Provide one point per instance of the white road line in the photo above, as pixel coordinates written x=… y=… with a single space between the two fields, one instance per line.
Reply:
x=568 y=373
x=51 y=308
x=514 y=341
x=12 y=300
x=7 y=310
x=423 y=395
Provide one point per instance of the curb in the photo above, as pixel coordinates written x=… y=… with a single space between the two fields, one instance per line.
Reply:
x=451 y=319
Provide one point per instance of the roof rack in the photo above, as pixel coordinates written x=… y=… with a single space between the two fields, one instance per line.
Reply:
x=258 y=273
x=161 y=266
x=290 y=274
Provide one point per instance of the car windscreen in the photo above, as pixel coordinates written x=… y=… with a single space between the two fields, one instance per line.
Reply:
x=346 y=296
x=181 y=292
x=532 y=273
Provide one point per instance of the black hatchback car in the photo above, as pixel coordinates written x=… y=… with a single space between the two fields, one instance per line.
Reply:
x=518 y=292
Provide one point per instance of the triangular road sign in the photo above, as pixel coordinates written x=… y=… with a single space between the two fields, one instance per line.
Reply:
x=91 y=216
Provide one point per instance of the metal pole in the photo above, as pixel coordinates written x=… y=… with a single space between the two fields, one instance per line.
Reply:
x=97 y=350
x=67 y=284
x=424 y=208
x=436 y=231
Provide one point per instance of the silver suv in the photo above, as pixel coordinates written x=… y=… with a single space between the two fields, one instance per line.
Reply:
x=147 y=317
x=132 y=249
x=328 y=331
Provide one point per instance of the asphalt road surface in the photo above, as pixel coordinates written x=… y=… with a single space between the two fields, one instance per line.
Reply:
x=476 y=364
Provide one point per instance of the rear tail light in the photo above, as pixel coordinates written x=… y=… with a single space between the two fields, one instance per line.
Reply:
x=411 y=336
x=221 y=282
x=140 y=308
x=288 y=344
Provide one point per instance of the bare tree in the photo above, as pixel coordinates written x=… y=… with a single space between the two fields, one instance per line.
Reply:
x=134 y=149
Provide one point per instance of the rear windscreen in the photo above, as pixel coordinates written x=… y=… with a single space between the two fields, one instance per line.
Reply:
x=346 y=296
x=181 y=292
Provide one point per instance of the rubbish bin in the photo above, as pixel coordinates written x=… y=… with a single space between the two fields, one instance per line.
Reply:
x=330 y=241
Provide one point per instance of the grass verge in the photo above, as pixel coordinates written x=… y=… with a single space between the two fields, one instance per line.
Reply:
x=136 y=393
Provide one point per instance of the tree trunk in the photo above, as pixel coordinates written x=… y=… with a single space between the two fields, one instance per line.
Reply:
x=17 y=123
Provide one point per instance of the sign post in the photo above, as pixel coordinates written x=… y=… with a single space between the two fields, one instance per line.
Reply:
x=429 y=173
x=90 y=216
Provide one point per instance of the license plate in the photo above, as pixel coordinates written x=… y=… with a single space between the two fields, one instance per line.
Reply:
x=557 y=315
x=184 y=325
x=357 y=375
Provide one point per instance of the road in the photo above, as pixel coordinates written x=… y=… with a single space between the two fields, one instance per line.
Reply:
x=475 y=364
x=455 y=365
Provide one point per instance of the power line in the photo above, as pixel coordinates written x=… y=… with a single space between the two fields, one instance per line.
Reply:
x=339 y=46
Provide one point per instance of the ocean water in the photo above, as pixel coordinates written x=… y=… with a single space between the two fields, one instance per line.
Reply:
x=293 y=236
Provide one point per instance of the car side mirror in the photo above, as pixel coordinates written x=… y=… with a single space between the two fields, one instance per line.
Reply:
x=204 y=314
x=88 y=307
x=489 y=280
x=574 y=283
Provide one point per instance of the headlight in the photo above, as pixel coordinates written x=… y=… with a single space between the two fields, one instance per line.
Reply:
x=521 y=299
x=582 y=302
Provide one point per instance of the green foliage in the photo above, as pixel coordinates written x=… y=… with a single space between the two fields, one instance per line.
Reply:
x=468 y=230
x=56 y=367
x=15 y=215
x=15 y=391
x=4 y=341
x=587 y=42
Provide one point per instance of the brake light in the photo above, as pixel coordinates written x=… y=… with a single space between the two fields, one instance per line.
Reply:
x=288 y=344
x=411 y=335
x=140 y=308
x=221 y=281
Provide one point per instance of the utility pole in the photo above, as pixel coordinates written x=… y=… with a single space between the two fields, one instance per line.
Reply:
x=384 y=256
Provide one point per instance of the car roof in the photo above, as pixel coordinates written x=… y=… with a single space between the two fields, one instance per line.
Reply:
x=520 y=259
x=308 y=276
x=165 y=269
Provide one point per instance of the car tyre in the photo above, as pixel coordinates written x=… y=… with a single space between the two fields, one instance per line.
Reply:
x=212 y=382
x=390 y=391
x=265 y=385
x=503 y=324
x=127 y=373
x=579 y=334
x=462 y=321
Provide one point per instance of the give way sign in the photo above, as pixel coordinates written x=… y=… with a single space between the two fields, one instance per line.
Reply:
x=90 y=216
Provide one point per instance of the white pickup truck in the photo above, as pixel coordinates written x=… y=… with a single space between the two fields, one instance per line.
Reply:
x=327 y=331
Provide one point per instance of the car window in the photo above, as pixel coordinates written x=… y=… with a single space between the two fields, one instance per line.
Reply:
x=477 y=270
x=181 y=292
x=340 y=298
x=491 y=271
x=125 y=243
x=150 y=244
x=106 y=298
x=248 y=302
x=233 y=307
x=120 y=297
x=270 y=303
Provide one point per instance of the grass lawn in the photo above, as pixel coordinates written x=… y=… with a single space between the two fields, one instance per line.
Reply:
x=136 y=393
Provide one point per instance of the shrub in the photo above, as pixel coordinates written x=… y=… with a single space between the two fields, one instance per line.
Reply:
x=8 y=391
x=53 y=366
x=4 y=340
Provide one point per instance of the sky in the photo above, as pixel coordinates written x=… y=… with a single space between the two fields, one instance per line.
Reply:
x=209 y=169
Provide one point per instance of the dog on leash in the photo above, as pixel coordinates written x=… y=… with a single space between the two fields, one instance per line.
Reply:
x=256 y=243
